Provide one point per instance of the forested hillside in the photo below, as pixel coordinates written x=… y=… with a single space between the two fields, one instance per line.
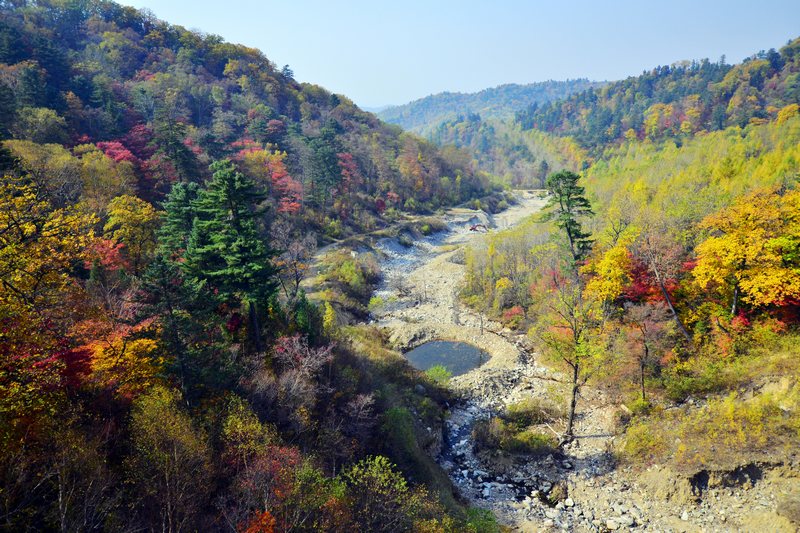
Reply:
x=498 y=102
x=676 y=101
x=521 y=158
x=164 y=198
x=162 y=195
x=158 y=103
x=666 y=272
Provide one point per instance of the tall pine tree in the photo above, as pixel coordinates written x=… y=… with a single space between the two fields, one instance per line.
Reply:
x=227 y=247
x=567 y=203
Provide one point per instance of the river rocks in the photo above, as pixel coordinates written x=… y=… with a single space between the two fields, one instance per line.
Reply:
x=625 y=520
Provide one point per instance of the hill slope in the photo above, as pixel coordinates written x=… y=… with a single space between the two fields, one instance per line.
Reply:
x=169 y=101
x=676 y=101
x=162 y=194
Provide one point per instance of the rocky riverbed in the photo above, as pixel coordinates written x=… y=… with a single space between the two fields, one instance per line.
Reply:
x=420 y=293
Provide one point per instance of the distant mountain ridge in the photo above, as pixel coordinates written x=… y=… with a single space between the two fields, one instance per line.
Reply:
x=675 y=101
x=497 y=102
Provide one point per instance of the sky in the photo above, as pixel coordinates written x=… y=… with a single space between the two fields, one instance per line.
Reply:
x=379 y=52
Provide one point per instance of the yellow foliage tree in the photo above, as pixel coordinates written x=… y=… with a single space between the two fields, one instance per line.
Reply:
x=611 y=274
x=754 y=250
x=128 y=365
x=39 y=245
x=133 y=222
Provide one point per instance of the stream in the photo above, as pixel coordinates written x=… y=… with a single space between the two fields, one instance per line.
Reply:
x=490 y=366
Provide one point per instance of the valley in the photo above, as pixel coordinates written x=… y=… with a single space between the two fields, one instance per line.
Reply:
x=232 y=300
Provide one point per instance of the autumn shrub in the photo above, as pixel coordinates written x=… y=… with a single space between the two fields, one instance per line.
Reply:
x=639 y=407
x=530 y=442
x=697 y=377
x=380 y=497
x=513 y=317
x=643 y=443
x=716 y=434
x=726 y=427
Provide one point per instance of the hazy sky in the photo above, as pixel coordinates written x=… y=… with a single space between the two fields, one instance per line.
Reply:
x=379 y=52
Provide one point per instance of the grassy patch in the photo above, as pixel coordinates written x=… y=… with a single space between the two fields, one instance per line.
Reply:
x=532 y=411
x=720 y=434
x=439 y=375
x=498 y=434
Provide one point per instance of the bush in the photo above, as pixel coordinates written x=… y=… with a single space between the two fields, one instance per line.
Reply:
x=640 y=407
x=376 y=303
x=333 y=228
x=642 y=444
x=513 y=317
x=530 y=442
x=405 y=240
x=721 y=434
x=487 y=434
x=439 y=374
x=382 y=500
x=481 y=521
x=533 y=411
x=354 y=277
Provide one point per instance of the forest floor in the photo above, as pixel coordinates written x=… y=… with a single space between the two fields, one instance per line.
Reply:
x=420 y=290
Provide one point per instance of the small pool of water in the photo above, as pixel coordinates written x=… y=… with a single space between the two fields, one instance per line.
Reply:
x=457 y=357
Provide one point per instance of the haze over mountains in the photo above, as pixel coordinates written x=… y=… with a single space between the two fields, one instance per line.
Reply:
x=497 y=102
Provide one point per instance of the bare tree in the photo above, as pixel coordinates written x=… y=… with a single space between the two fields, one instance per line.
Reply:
x=663 y=257
x=295 y=256
x=649 y=322
x=569 y=329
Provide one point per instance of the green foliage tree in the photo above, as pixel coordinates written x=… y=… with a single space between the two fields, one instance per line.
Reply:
x=382 y=500
x=178 y=218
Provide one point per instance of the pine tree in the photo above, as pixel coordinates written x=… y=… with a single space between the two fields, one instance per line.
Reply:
x=179 y=215
x=226 y=247
x=183 y=312
x=567 y=203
